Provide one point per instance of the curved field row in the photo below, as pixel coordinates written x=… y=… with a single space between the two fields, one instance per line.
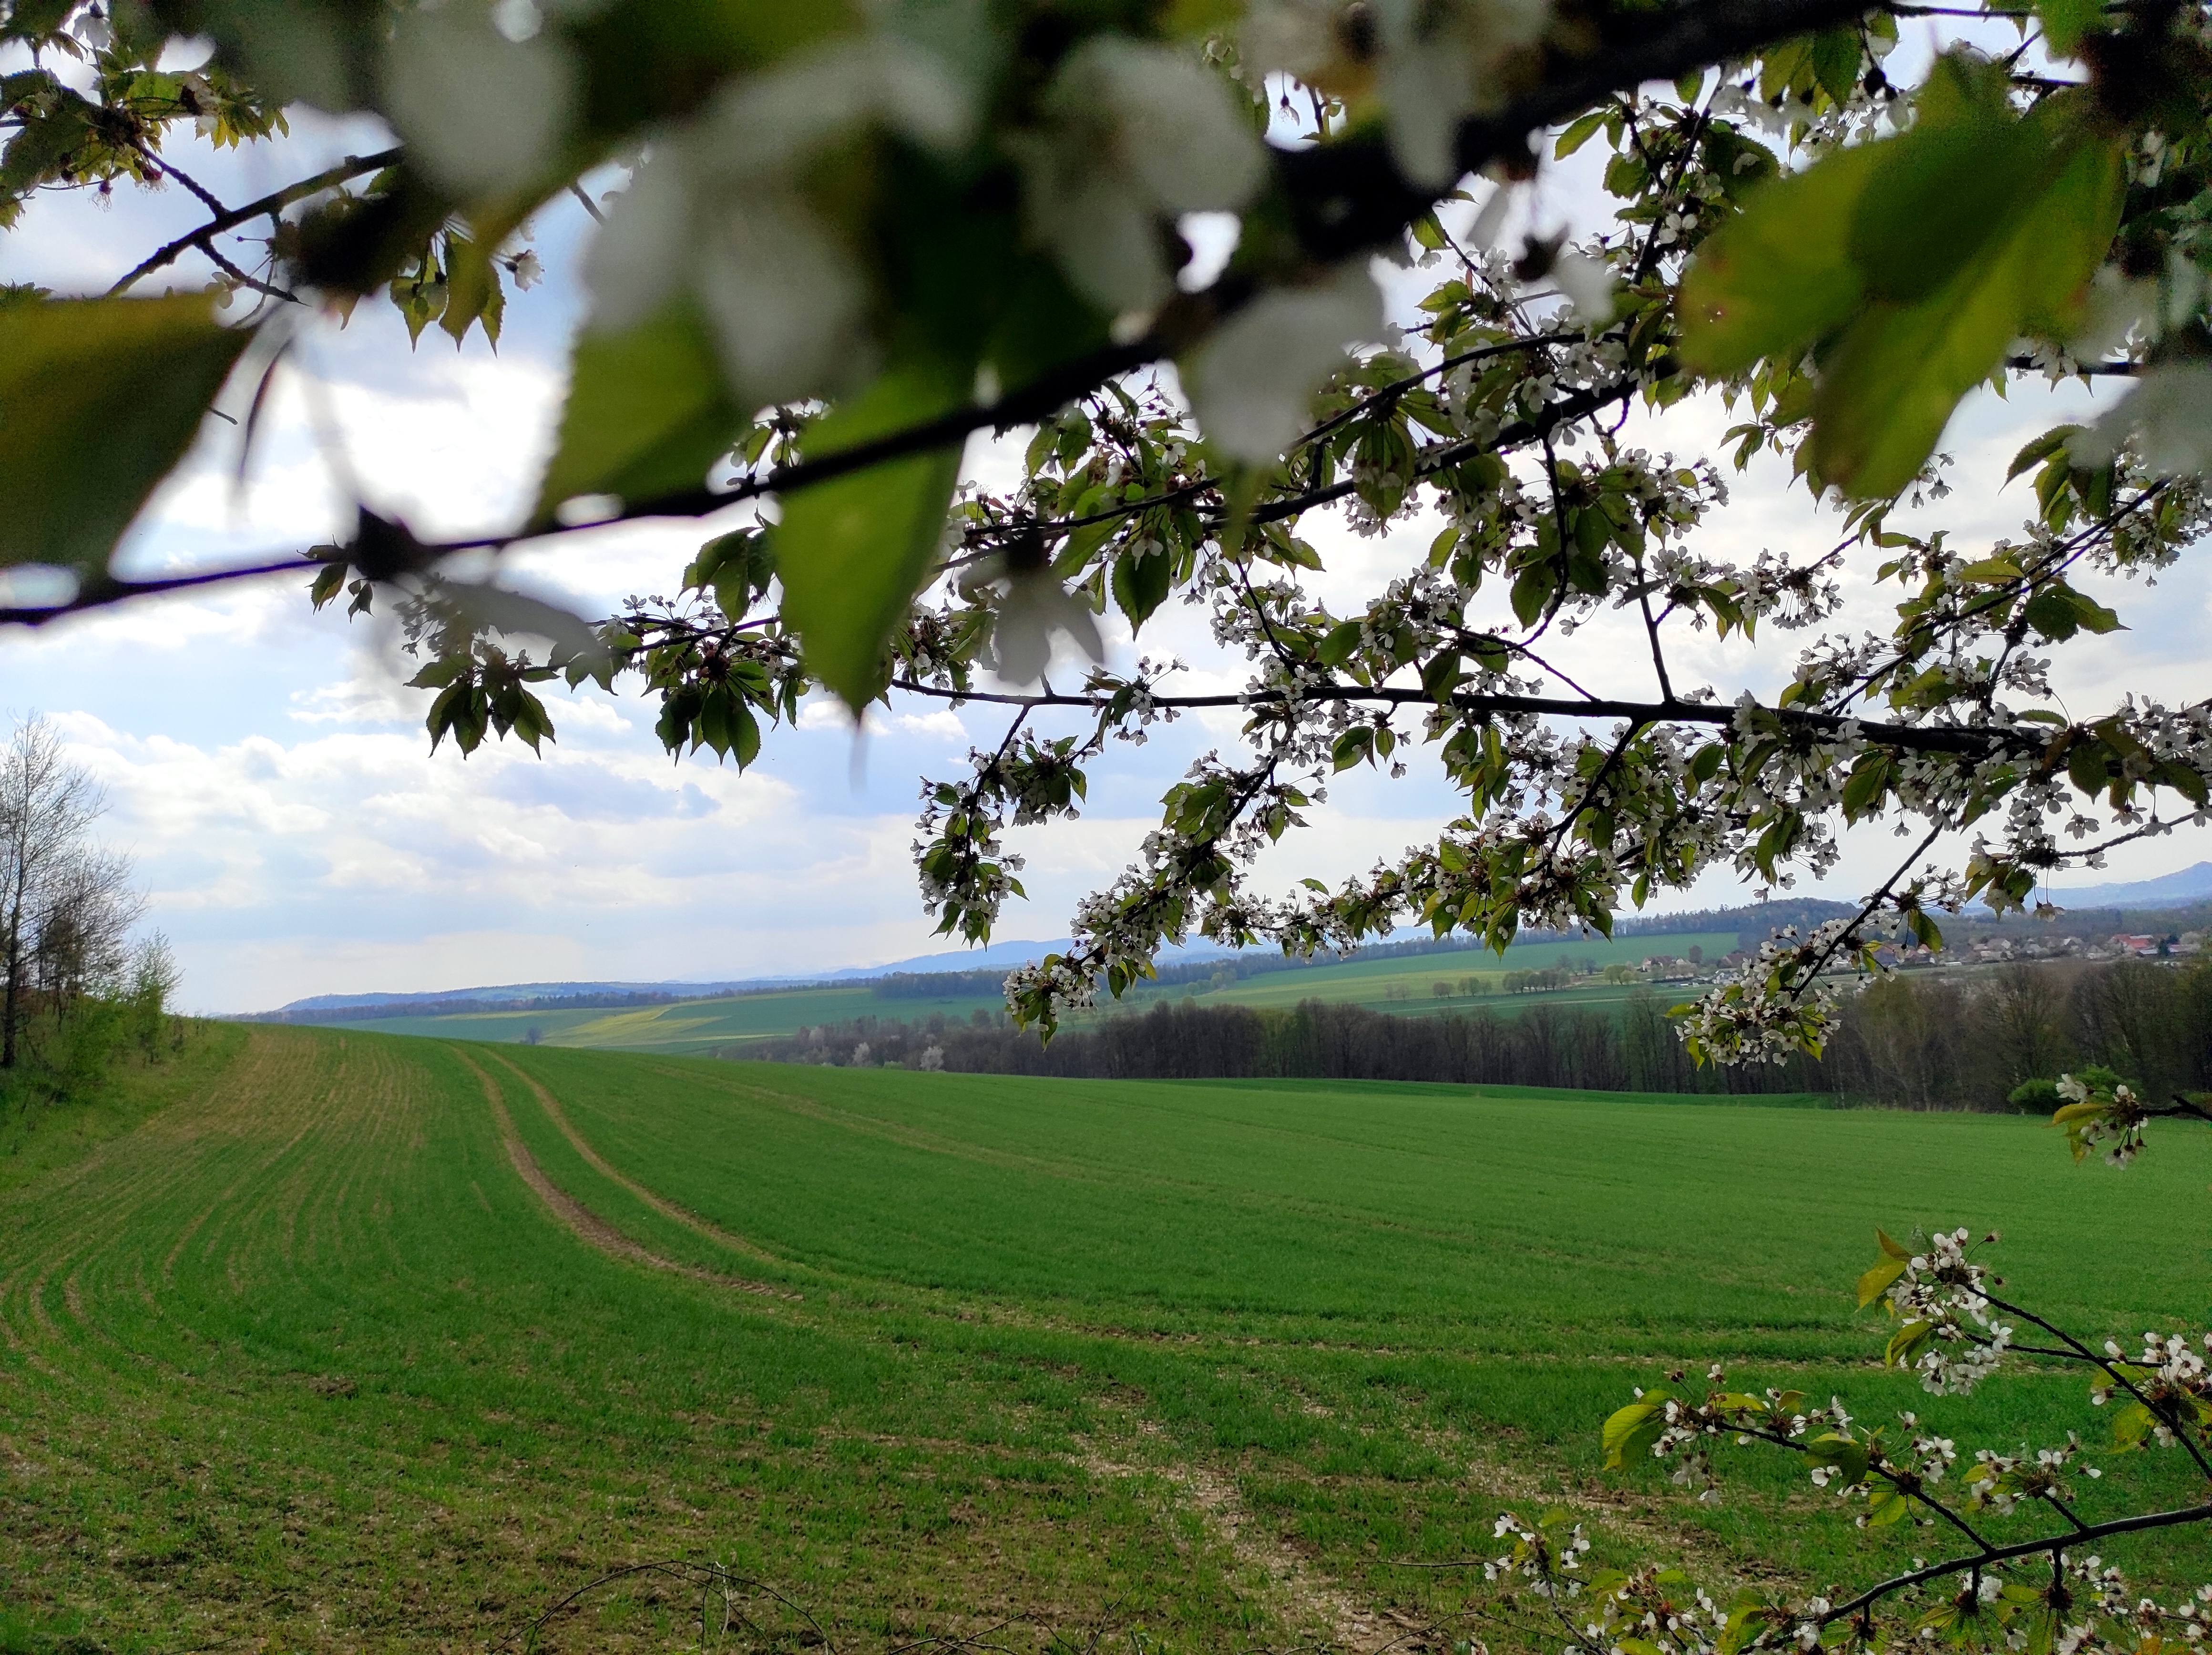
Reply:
x=382 y=1343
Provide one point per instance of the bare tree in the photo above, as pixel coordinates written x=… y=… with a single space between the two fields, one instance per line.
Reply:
x=2027 y=1013
x=66 y=905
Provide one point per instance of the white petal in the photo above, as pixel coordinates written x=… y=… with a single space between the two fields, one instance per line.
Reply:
x=1035 y=608
x=784 y=300
x=1426 y=91
x=1179 y=132
x=2169 y=413
x=1587 y=284
x=775 y=121
x=1072 y=615
x=636 y=260
x=1021 y=639
x=1136 y=134
x=481 y=112
x=1440 y=64
x=1107 y=244
x=1252 y=384
x=1483 y=232
x=1299 y=36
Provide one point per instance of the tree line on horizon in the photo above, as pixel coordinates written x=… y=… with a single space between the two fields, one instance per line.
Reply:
x=1911 y=1040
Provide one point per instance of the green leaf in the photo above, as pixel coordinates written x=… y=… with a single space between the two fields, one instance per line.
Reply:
x=1577 y=134
x=1337 y=647
x=1879 y=1280
x=1141 y=585
x=1633 y=1429
x=2132 y=1426
x=1939 y=194
x=1904 y=1344
x=1869 y=781
x=647 y=413
x=1886 y=1506
x=328 y=581
x=2059 y=612
x=736 y=565
x=1750 y=1616
x=852 y=552
x=1849 y=1458
x=1889 y=388
x=28 y=19
x=99 y=399
x=1835 y=57
x=2034 y=453
x=2065 y=21
x=1777 y=277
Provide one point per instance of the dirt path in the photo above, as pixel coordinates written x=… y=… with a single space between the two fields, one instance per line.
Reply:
x=1301 y=1595
x=705 y=1229
x=588 y=1225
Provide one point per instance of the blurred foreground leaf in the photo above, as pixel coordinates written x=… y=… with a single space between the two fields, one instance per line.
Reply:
x=99 y=399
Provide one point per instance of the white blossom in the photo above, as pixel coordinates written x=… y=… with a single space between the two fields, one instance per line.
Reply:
x=481 y=114
x=1137 y=134
x=1251 y=383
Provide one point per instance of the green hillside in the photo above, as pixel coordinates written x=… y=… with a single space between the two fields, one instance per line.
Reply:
x=369 y=1343
x=1406 y=986
x=684 y=1026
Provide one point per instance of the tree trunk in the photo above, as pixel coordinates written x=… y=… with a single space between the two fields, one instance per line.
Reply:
x=11 y=1012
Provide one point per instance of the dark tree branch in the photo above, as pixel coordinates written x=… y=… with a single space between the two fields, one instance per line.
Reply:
x=1920 y=738
x=269 y=205
x=2054 y=1544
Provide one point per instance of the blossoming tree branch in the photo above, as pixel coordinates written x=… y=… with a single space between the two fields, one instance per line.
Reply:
x=2024 y=1533
x=849 y=236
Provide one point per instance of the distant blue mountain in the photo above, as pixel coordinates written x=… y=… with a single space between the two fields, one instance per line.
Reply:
x=2185 y=889
x=1001 y=956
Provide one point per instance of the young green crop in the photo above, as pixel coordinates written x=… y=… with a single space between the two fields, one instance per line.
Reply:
x=306 y=1356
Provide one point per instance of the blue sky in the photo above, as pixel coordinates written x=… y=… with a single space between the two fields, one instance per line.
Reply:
x=270 y=775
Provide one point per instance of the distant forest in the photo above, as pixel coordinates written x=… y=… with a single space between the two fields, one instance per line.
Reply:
x=1916 y=1040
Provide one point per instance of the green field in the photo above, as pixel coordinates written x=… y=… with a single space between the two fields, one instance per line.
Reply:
x=364 y=1343
x=1403 y=985
x=686 y=1025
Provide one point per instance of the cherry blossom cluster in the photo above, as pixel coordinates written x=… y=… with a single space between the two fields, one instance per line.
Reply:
x=1947 y=1331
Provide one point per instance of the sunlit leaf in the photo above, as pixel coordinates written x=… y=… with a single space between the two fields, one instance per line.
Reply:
x=1778 y=277
x=100 y=398
x=850 y=552
x=648 y=413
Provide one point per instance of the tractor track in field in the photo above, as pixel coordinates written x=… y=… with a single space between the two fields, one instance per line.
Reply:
x=1304 y=1594
x=675 y=1212
x=1299 y=1591
x=587 y=1226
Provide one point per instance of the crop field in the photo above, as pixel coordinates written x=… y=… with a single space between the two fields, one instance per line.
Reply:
x=1405 y=986
x=686 y=1025
x=368 y=1343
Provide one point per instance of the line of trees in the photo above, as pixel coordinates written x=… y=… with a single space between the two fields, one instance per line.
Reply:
x=77 y=991
x=1932 y=1041
x=1919 y=1040
x=1632 y=1049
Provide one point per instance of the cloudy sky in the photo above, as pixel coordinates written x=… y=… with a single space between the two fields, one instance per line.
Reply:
x=271 y=777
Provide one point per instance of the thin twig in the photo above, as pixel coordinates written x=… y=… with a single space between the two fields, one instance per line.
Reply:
x=230 y=218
